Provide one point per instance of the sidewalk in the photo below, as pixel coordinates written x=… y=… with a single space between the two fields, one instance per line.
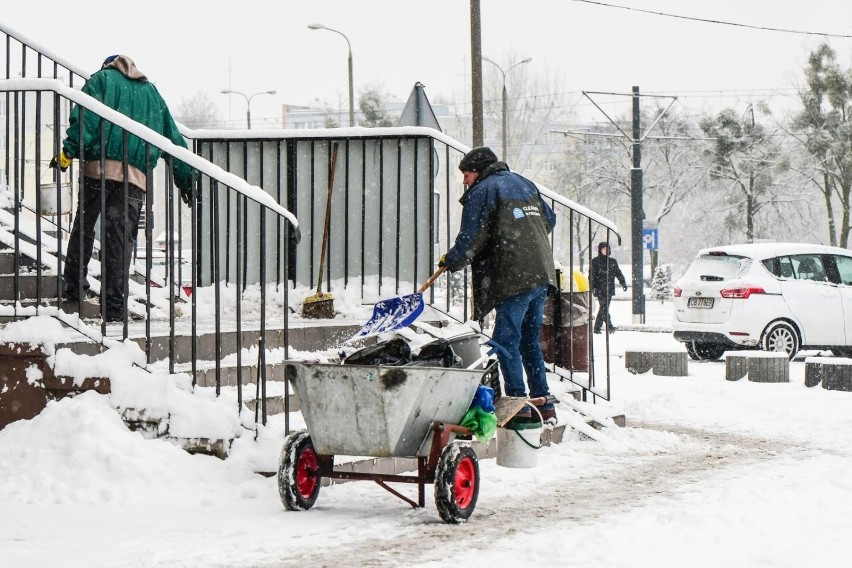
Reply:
x=658 y=315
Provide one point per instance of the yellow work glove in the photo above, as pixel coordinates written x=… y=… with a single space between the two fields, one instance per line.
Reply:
x=62 y=161
x=442 y=262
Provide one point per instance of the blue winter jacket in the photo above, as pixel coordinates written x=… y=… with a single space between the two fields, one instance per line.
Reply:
x=504 y=237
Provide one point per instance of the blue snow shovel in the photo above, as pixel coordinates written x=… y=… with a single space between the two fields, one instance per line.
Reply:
x=396 y=313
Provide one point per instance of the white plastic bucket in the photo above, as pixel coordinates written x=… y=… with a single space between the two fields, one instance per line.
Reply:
x=48 y=200
x=517 y=445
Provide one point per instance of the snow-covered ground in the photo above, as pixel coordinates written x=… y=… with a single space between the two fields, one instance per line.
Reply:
x=707 y=473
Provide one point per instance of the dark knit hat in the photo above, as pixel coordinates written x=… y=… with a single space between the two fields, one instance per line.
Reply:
x=477 y=159
x=602 y=246
x=109 y=60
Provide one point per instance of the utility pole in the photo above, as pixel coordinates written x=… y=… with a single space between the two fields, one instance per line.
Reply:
x=637 y=215
x=476 y=73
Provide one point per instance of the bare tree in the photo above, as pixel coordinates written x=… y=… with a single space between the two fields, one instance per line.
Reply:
x=536 y=104
x=587 y=174
x=198 y=111
x=672 y=172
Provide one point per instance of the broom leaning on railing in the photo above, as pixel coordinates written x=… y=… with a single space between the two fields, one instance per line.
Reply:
x=319 y=305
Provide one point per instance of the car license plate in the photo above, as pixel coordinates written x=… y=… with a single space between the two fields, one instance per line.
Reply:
x=705 y=303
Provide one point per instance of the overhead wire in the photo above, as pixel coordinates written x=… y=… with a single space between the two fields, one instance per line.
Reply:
x=711 y=21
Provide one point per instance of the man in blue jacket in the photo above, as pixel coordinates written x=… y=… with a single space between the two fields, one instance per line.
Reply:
x=504 y=237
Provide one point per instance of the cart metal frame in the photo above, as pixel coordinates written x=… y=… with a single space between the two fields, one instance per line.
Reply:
x=426 y=466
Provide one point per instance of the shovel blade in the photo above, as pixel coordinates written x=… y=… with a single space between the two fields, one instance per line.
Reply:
x=391 y=314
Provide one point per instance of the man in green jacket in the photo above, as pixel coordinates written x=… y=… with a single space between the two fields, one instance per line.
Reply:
x=120 y=86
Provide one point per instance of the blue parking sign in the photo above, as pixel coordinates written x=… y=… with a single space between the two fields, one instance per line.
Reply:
x=650 y=237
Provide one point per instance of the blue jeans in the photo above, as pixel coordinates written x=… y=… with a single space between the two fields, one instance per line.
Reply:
x=517 y=339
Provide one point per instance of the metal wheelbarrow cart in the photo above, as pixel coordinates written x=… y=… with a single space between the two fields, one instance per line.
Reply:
x=383 y=411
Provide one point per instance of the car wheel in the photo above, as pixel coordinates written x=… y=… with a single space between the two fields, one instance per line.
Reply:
x=704 y=351
x=781 y=336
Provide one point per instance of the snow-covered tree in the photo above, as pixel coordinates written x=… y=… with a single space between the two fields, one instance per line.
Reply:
x=373 y=104
x=824 y=127
x=661 y=283
x=743 y=158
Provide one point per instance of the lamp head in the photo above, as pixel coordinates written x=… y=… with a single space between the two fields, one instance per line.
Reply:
x=316 y=26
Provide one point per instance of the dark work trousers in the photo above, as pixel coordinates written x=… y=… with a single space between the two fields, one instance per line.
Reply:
x=517 y=341
x=114 y=268
x=603 y=312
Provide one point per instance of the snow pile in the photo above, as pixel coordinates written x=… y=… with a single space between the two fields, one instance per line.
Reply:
x=348 y=301
x=708 y=473
x=170 y=398
x=79 y=451
x=38 y=330
x=7 y=200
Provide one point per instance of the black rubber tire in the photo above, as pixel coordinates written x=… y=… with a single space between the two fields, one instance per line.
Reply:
x=781 y=336
x=298 y=484
x=456 y=482
x=704 y=351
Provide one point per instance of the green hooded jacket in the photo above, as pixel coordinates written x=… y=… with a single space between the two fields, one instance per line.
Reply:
x=121 y=86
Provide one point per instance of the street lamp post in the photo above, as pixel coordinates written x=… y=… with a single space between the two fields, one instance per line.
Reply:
x=505 y=94
x=351 y=82
x=248 y=101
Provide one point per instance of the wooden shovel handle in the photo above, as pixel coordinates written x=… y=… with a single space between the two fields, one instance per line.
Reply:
x=327 y=216
x=432 y=279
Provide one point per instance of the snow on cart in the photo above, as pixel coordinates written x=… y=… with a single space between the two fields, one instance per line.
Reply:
x=383 y=411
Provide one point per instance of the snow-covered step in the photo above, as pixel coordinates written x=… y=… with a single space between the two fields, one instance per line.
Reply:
x=7 y=261
x=27 y=382
x=309 y=337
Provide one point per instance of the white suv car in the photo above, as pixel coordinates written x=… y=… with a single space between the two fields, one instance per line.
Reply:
x=770 y=296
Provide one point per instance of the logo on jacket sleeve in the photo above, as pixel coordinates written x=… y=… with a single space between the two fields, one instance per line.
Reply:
x=518 y=213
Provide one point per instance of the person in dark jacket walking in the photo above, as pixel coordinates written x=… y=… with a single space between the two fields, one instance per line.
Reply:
x=603 y=271
x=122 y=87
x=504 y=237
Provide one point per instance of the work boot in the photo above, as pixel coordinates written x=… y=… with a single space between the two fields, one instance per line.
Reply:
x=548 y=413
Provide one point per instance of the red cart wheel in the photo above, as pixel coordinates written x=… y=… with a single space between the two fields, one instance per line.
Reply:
x=456 y=483
x=298 y=481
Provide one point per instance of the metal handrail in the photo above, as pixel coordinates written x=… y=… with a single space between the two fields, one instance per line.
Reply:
x=253 y=193
x=45 y=250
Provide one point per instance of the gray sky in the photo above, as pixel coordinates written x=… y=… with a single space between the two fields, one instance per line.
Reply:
x=187 y=46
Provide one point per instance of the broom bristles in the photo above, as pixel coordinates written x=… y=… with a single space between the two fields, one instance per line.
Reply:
x=318 y=306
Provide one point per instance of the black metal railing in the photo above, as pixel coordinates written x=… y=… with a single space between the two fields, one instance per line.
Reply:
x=172 y=320
x=394 y=212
